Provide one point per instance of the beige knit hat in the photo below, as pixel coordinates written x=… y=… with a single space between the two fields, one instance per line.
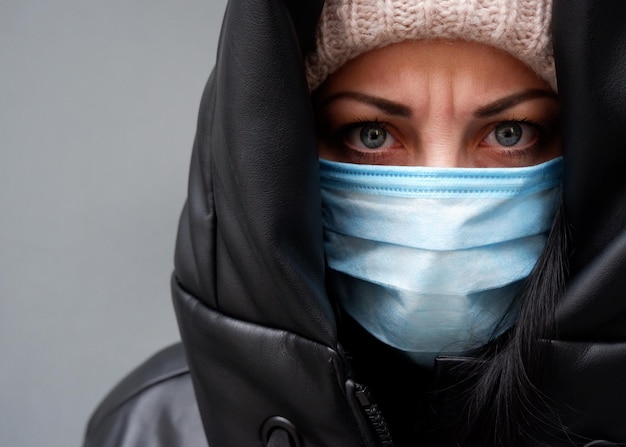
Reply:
x=348 y=28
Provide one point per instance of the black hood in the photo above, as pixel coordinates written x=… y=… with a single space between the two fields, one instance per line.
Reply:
x=258 y=329
x=589 y=353
x=260 y=333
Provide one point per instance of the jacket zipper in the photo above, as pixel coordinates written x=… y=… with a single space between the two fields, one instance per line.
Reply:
x=374 y=415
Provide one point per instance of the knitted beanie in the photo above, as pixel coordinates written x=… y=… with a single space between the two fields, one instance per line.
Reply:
x=349 y=28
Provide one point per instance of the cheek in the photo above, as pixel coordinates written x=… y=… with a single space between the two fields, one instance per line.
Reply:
x=326 y=151
x=554 y=149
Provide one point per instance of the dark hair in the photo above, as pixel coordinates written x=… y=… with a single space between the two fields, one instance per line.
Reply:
x=502 y=404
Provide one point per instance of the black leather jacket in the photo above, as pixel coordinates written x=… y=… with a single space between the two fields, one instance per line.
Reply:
x=260 y=336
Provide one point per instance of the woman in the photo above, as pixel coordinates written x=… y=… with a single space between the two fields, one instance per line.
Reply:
x=282 y=343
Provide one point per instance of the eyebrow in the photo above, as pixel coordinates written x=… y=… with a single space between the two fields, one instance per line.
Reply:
x=397 y=109
x=389 y=107
x=512 y=100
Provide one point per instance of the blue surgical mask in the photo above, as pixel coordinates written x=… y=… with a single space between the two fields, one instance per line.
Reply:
x=428 y=260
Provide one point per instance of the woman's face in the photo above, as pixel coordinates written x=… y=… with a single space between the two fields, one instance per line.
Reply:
x=437 y=103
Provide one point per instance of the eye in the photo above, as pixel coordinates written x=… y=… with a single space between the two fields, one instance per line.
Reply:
x=366 y=136
x=512 y=134
x=373 y=136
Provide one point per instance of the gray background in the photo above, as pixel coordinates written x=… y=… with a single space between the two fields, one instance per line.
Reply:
x=98 y=104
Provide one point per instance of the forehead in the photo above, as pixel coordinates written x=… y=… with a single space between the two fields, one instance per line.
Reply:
x=412 y=67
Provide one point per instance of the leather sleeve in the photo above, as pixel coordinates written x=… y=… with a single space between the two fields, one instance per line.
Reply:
x=154 y=406
x=586 y=381
x=248 y=286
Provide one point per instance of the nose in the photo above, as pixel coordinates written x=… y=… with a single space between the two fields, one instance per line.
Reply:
x=441 y=153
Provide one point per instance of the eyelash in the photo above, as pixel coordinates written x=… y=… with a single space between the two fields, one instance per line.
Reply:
x=360 y=122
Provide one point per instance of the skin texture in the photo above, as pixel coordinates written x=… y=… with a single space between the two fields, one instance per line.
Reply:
x=437 y=103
